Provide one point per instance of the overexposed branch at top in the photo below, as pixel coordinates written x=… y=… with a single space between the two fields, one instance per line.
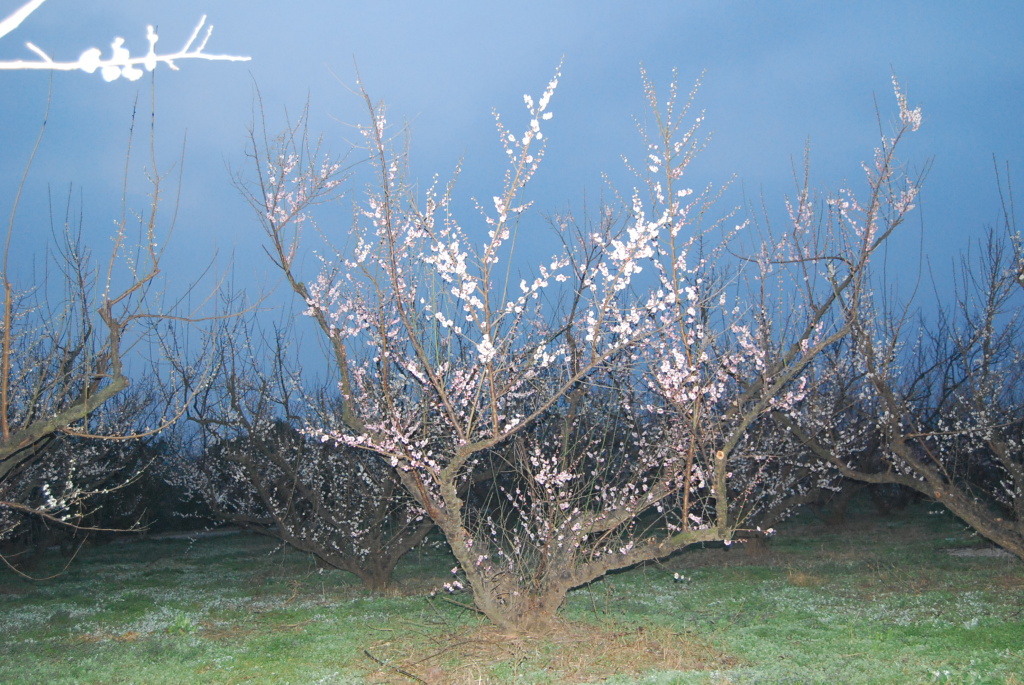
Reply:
x=120 y=63
x=19 y=15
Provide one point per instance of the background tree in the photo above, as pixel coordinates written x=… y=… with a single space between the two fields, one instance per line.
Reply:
x=69 y=335
x=938 y=399
x=67 y=343
x=261 y=466
x=92 y=484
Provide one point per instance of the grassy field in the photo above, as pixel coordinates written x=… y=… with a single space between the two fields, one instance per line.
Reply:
x=878 y=600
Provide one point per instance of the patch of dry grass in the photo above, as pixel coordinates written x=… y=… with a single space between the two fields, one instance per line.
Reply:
x=804 y=579
x=572 y=653
x=1009 y=581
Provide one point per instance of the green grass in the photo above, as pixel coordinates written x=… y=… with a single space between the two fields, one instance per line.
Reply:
x=878 y=600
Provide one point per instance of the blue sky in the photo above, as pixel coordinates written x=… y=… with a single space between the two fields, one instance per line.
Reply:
x=776 y=75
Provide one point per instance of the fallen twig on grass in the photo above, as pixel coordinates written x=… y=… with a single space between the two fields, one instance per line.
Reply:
x=396 y=669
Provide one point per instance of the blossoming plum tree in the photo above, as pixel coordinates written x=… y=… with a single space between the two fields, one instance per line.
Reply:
x=600 y=400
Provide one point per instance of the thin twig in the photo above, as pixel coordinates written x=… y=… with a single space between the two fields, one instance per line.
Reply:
x=396 y=669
